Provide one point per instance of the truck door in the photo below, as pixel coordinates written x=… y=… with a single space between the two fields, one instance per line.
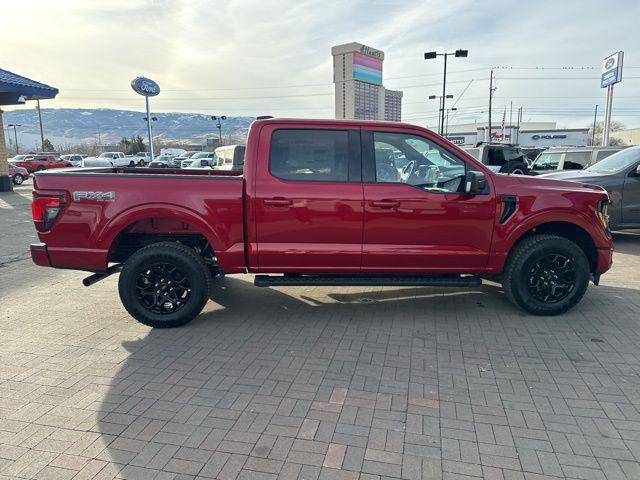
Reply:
x=417 y=217
x=308 y=203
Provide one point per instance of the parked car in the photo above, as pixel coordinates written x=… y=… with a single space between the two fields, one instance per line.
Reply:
x=75 y=159
x=619 y=174
x=186 y=155
x=229 y=157
x=570 y=158
x=90 y=162
x=17 y=174
x=500 y=157
x=311 y=207
x=162 y=161
x=200 y=159
x=37 y=163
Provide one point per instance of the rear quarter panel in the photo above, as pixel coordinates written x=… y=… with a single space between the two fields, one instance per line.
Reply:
x=84 y=232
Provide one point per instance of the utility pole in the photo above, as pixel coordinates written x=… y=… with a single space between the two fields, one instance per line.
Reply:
x=490 y=101
x=593 y=130
x=40 y=119
x=511 y=122
x=15 y=135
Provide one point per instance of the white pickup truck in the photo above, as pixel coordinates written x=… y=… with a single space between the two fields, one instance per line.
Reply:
x=119 y=159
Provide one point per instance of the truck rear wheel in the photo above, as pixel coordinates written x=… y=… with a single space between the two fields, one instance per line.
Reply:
x=546 y=275
x=164 y=285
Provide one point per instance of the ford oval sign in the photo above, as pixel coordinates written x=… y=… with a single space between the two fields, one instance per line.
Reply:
x=145 y=86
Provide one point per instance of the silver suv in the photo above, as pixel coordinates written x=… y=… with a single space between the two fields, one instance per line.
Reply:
x=570 y=158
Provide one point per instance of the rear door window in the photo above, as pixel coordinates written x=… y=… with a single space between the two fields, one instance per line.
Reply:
x=576 y=160
x=547 y=161
x=602 y=154
x=310 y=155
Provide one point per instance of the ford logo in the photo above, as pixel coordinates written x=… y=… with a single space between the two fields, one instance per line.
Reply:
x=145 y=86
x=609 y=63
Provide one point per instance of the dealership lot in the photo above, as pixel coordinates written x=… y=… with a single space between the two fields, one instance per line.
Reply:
x=330 y=383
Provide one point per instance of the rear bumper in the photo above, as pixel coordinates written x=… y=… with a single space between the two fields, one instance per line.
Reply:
x=40 y=255
x=604 y=259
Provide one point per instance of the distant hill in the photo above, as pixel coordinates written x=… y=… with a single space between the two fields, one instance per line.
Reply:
x=72 y=126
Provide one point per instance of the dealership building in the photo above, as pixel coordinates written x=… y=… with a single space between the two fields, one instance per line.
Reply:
x=359 y=93
x=527 y=134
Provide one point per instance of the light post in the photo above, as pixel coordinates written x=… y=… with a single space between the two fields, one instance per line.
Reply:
x=441 y=106
x=431 y=55
x=452 y=109
x=15 y=134
x=218 y=119
x=153 y=119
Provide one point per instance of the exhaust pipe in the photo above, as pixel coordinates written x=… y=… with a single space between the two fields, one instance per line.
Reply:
x=96 y=277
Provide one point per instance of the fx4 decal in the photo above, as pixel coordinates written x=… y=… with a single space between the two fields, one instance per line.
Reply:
x=97 y=196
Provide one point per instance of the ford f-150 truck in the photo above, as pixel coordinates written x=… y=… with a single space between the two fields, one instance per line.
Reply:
x=324 y=202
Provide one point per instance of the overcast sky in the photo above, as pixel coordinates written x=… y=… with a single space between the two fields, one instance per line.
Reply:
x=253 y=57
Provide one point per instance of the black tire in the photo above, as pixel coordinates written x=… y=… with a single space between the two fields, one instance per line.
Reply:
x=18 y=179
x=132 y=163
x=518 y=168
x=40 y=168
x=531 y=272
x=190 y=279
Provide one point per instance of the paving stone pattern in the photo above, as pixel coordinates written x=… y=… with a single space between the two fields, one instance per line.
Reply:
x=302 y=383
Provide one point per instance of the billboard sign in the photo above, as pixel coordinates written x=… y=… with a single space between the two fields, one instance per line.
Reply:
x=611 y=69
x=367 y=68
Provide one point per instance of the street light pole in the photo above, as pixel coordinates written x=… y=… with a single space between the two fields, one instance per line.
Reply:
x=440 y=109
x=430 y=55
x=218 y=119
x=40 y=120
x=15 y=134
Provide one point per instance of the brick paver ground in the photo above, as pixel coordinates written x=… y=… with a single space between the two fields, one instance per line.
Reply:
x=341 y=383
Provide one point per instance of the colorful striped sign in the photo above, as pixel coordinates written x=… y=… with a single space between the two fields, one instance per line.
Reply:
x=367 y=69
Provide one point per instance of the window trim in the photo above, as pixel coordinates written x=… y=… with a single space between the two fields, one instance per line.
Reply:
x=354 y=160
x=369 y=161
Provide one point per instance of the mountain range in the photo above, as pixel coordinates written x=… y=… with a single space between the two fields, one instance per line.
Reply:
x=73 y=126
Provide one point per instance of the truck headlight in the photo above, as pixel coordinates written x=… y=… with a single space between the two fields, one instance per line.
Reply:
x=602 y=211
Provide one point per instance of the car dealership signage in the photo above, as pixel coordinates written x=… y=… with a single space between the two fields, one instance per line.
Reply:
x=145 y=86
x=611 y=69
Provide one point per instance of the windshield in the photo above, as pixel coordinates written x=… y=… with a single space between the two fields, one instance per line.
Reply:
x=617 y=162
x=17 y=158
x=200 y=155
x=106 y=155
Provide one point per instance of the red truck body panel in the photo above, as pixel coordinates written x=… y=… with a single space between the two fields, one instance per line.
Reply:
x=259 y=223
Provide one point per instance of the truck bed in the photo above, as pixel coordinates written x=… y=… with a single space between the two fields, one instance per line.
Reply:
x=102 y=204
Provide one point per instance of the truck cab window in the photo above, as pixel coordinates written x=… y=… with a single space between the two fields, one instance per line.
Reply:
x=418 y=162
x=310 y=155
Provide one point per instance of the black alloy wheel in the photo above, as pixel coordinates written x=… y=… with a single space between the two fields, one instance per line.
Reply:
x=552 y=278
x=163 y=288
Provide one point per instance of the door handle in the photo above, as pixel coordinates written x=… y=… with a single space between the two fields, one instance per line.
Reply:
x=278 y=202
x=385 y=204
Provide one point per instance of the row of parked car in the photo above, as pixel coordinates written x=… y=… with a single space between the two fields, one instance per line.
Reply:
x=228 y=157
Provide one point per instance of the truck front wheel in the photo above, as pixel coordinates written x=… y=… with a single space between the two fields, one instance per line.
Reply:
x=546 y=275
x=164 y=285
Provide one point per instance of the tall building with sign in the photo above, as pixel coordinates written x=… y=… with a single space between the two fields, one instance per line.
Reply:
x=359 y=93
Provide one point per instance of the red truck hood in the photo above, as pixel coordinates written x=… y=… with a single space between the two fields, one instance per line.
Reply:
x=534 y=182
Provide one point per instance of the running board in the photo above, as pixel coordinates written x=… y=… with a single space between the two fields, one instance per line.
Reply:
x=366 y=281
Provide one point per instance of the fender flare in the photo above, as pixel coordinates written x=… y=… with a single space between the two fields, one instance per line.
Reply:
x=114 y=227
x=548 y=216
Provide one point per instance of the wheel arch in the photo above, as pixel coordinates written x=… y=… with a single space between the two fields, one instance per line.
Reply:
x=562 y=228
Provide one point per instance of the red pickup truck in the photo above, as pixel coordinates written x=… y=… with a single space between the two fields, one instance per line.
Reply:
x=37 y=163
x=324 y=202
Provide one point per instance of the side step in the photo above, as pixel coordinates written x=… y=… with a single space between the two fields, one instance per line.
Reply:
x=366 y=280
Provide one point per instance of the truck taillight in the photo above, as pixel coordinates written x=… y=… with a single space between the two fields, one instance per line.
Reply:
x=44 y=211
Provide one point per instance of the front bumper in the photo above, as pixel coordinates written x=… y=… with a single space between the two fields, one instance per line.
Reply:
x=40 y=255
x=604 y=259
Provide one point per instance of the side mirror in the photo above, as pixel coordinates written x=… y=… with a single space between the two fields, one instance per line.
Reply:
x=475 y=183
x=638 y=171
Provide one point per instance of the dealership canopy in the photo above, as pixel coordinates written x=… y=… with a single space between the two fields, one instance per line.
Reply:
x=16 y=89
